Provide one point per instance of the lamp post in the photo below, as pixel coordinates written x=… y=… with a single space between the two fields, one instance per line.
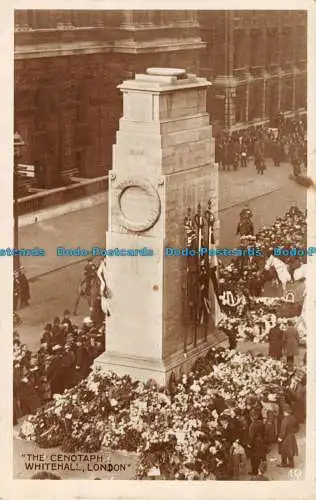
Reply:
x=18 y=144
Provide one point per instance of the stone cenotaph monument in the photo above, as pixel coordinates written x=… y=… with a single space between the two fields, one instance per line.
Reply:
x=162 y=194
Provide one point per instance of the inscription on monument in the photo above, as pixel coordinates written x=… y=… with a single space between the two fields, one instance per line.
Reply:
x=136 y=152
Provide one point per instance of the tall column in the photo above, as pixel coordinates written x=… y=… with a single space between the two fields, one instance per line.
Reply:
x=230 y=107
x=163 y=164
x=280 y=71
x=247 y=103
x=294 y=104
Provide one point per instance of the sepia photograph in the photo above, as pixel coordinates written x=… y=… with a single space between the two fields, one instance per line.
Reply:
x=160 y=249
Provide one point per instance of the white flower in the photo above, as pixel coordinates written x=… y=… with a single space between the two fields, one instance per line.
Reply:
x=215 y=414
x=27 y=430
x=195 y=387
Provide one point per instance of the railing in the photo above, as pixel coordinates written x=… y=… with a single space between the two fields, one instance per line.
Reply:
x=26 y=171
x=62 y=195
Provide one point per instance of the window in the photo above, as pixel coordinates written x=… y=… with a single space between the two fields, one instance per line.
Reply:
x=301 y=93
x=255 y=100
x=239 y=54
x=240 y=104
x=272 y=46
x=287 y=94
x=287 y=45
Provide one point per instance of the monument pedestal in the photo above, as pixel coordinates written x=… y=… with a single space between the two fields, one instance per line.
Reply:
x=163 y=164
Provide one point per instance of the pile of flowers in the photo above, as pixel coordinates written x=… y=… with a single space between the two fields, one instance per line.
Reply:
x=183 y=431
x=263 y=315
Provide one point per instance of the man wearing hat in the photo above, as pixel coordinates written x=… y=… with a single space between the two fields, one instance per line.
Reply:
x=276 y=342
x=287 y=441
x=68 y=365
x=54 y=370
x=47 y=337
x=66 y=318
x=291 y=341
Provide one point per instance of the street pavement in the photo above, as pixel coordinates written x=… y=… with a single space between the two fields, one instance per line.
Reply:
x=54 y=280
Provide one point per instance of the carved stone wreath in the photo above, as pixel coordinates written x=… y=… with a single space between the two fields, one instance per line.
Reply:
x=152 y=215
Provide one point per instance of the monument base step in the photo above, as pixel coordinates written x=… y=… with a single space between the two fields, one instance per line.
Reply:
x=159 y=370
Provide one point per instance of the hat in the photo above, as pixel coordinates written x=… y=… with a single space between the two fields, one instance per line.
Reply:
x=66 y=312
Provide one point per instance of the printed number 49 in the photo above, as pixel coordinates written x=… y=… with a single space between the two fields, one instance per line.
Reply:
x=295 y=473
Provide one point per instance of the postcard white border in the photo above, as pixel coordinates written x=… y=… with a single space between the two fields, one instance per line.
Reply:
x=86 y=489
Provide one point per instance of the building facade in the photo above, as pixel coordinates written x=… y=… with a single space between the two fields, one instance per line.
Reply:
x=68 y=65
x=257 y=62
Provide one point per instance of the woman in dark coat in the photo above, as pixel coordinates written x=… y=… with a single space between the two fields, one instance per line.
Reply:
x=287 y=441
x=299 y=404
x=275 y=342
x=17 y=412
x=258 y=448
x=30 y=400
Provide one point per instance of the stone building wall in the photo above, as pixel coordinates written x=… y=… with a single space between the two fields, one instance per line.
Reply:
x=69 y=63
x=259 y=67
x=67 y=67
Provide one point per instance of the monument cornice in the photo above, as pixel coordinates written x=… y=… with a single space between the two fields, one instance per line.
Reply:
x=163 y=80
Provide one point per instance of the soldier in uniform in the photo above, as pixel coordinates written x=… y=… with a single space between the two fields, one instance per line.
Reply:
x=245 y=227
x=246 y=212
x=24 y=289
x=89 y=274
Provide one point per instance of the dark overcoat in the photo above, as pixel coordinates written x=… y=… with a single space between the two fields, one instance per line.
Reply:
x=275 y=342
x=291 y=341
x=288 y=444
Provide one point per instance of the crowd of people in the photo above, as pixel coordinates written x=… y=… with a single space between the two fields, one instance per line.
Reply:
x=284 y=142
x=63 y=359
